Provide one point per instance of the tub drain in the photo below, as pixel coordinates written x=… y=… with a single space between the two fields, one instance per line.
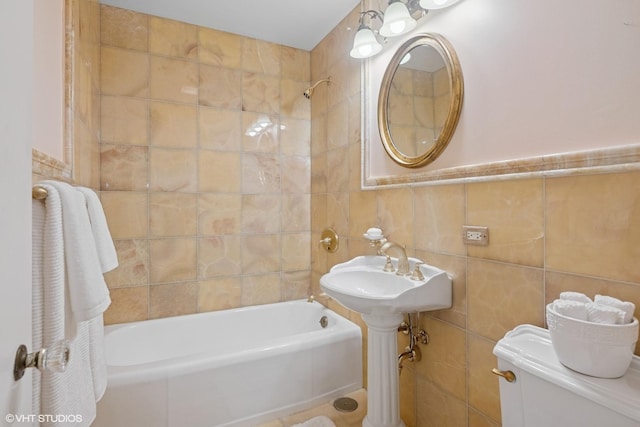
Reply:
x=345 y=404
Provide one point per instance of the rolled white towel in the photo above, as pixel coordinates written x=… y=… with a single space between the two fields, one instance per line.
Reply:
x=570 y=308
x=604 y=314
x=626 y=306
x=575 y=296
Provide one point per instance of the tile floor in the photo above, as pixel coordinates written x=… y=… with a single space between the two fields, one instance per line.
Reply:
x=340 y=419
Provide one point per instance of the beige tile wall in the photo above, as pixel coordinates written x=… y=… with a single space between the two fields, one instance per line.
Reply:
x=205 y=215
x=579 y=232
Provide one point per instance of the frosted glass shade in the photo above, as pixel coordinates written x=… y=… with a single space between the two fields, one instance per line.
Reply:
x=436 y=4
x=365 y=43
x=397 y=20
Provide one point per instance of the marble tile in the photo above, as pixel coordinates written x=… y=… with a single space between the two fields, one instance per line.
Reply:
x=123 y=167
x=126 y=213
x=436 y=408
x=295 y=63
x=219 y=48
x=513 y=211
x=337 y=212
x=124 y=72
x=296 y=253
x=337 y=172
x=260 y=213
x=503 y=296
x=444 y=361
x=295 y=137
x=395 y=217
x=133 y=264
x=172 y=260
x=123 y=28
x=261 y=289
x=593 y=225
x=260 y=132
x=219 y=293
x=484 y=391
x=219 y=171
x=296 y=174
x=362 y=213
x=173 y=125
x=172 y=214
x=173 y=170
x=292 y=101
x=220 y=129
x=477 y=419
x=261 y=254
x=219 y=214
x=259 y=56
x=260 y=173
x=219 y=256
x=127 y=305
x=173 y=299
x=123 y=120
x=296 y=285
x=456 y=268
x=173 y=80
x=295 y=213
x=220 y=87
x=439 y=216
x=172 y=38
x=338 y=132
x=260 y=93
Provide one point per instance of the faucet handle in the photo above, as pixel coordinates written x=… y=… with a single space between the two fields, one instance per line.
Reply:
x=388 y=267
x=417 y=274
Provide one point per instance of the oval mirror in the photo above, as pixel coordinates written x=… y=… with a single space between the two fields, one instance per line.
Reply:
x=420 y=100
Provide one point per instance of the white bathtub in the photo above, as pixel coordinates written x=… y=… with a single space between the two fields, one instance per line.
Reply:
x=235 y=367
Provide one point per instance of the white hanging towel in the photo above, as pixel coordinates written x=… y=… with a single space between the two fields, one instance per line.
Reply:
x=72 y=296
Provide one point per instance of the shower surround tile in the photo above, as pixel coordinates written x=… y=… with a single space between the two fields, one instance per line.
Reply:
x=124 y=28
x=124 y=72
x=173 y=125
x=219 y=48
x=173 y=79
x=172 y=38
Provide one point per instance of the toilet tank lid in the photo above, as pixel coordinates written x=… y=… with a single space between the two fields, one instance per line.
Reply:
x=529 y=348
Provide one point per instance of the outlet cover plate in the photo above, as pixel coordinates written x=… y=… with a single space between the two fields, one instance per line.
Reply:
x=473 y=235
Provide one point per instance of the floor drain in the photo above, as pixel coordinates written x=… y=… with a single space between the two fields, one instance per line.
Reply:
x=345 y=404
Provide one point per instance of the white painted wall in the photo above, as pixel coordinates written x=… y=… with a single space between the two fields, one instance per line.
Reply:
x=540 y=78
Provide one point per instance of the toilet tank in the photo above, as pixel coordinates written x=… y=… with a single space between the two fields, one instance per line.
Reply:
x=546 y=393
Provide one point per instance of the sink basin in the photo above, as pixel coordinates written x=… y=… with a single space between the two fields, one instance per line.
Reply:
x=361 y=285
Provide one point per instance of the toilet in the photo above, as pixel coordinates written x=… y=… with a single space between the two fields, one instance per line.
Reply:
x=544 y=393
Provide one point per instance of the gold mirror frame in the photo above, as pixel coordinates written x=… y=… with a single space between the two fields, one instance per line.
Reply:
x=456 y=87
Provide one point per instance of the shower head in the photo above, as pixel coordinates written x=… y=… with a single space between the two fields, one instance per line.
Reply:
x=309 y=92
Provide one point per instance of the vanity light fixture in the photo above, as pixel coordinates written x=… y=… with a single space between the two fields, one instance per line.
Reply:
x=399 y=18
x=365 y=43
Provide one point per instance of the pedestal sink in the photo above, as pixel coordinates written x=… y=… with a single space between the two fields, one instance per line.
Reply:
x=382 y=298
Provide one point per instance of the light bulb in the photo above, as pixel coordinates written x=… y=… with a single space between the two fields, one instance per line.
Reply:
x=365 y=43
x=397 y=20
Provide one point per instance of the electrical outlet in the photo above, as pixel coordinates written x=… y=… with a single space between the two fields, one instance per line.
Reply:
x=472 y=235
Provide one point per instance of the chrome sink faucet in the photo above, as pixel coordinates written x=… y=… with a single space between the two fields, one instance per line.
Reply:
x=386 y=247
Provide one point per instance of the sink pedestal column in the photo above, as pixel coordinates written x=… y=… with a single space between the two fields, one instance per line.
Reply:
x=383 y=388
